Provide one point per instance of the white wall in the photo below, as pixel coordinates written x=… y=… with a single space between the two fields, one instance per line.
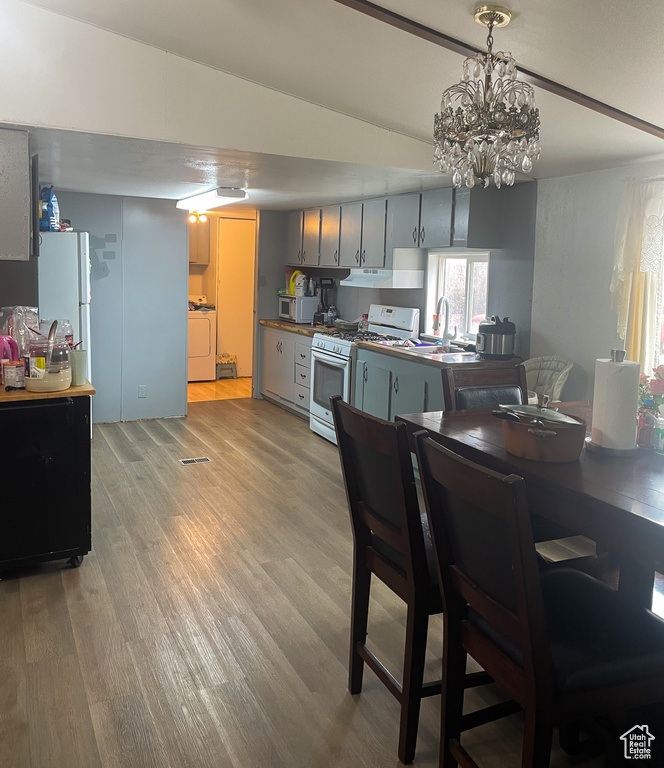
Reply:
x=88 y=79
x=572 y=315
x=138 y=312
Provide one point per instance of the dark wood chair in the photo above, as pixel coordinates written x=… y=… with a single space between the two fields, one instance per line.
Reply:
x=391 y=540
x=563 y=645
x=468 y=387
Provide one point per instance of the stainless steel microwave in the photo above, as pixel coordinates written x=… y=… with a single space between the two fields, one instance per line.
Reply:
x=298 y=309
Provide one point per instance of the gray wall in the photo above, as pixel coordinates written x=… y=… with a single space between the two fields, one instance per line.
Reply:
x=139 y=303
x=572 y=315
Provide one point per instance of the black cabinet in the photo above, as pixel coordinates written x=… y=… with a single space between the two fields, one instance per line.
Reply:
x=45 y=509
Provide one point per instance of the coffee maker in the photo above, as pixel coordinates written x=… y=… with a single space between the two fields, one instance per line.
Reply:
x=326 y=299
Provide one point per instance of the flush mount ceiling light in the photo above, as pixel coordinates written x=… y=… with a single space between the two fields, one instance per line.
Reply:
x=488 y=126
x=213 y=199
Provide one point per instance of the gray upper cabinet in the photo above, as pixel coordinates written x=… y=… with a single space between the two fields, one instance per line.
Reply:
x=479 y=216
x=436 y=218
x=373 y=233
x=294 y=238
x=14 y=196
x=350 y=240
x=199 y=242
x=403 y=222
x=311 y=237
x=329 y=236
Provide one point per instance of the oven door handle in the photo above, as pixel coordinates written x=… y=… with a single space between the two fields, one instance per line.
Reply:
x=330 y=359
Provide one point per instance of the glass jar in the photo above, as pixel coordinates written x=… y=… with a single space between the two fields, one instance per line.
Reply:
x=48 y=375
x=63 y=331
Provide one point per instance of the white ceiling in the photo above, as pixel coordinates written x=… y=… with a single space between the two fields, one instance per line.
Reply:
x=328 y=54
x=112 y=165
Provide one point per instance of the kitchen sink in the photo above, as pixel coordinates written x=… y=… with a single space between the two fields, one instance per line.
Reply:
x=435 y=349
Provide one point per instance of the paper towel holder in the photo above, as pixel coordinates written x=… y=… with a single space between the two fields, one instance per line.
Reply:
x=617 y=356
x=617 y=452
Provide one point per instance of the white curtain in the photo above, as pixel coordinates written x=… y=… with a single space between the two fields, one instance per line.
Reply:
x=636 y=285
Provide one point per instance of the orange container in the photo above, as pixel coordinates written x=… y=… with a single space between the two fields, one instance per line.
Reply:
x=554 y=442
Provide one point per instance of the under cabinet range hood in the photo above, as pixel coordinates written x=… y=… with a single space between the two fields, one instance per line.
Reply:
x=407 y=272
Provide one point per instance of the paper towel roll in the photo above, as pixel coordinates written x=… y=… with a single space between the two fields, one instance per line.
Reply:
x=615 y=403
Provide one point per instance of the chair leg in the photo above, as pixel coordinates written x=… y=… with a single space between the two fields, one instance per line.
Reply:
x=359 y=613
x=417 y=626
x=537 y=737
x=453 y=687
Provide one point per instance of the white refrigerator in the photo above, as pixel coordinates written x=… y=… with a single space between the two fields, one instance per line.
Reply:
x=63 y=272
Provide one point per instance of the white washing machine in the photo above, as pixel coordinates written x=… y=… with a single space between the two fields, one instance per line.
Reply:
x=202 y=349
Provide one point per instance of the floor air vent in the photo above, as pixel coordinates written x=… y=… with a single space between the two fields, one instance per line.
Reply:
x=201 y=460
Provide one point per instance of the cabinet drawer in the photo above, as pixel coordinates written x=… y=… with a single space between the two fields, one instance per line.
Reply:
x=303 y=355
x=302 y=375
x=301 y=396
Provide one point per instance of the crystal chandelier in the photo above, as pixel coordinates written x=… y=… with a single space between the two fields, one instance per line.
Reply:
x=488 y=125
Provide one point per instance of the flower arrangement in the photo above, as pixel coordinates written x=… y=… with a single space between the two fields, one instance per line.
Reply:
x=652 y=388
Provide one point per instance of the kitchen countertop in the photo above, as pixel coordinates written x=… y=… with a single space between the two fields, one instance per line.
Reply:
x=437 y=361
x=303 y=329
x=22 y=395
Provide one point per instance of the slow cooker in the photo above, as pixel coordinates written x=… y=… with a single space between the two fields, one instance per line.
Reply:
x=495 y=339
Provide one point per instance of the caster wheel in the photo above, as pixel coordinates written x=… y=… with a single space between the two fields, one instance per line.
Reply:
x=75 y=561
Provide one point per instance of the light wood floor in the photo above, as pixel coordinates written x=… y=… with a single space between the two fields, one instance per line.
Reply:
x=209 y=626
x=223 y=389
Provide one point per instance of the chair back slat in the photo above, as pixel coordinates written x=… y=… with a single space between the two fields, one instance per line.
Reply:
x=380 y=489
x=481 y=533
x=389 y=533
x=470 y=387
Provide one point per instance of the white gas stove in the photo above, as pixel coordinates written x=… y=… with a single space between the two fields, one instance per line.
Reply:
x=333 y=360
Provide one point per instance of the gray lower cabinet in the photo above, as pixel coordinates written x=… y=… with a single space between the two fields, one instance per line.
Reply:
x=372 y=394
x=285 y=368
x=386 y=386
x=436 y=218
x=278 y=363
x=409 y=395
x=329 y=236
x=350 y=239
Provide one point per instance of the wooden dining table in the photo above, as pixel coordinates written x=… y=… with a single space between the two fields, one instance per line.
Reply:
x=617 y=501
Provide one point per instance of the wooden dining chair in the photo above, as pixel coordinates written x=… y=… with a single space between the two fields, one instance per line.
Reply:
x=391 y=541
x=468 y=387
x=563 y=645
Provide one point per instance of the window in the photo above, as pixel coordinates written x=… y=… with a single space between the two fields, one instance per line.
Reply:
x=463 y=278
x=661 y=326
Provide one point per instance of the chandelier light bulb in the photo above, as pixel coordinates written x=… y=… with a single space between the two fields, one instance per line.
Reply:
x=488 y=126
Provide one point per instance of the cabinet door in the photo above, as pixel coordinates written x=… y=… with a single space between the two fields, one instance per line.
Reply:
x=373 y=233
x=329 y=236
x=278 y=364
x=436 y=218
x=403 y=222
x=376 y=387
x=350 y=235
x=199 y=242
x=408 y=395
x=294 y=238
x=311 y=237
x=15 y=221
x=46 y=496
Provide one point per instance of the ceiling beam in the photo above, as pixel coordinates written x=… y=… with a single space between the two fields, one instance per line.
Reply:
x=458 y=46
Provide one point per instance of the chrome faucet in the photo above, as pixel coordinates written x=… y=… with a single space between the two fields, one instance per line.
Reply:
x=443 y=301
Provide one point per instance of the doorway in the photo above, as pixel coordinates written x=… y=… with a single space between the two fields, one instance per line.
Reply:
x=228 y=284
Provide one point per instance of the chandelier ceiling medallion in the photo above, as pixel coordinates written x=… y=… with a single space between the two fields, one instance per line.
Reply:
x=488 y=125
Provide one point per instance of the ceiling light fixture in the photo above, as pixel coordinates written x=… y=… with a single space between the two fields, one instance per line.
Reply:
x=213 y=199
x=197 y=218
x=488 y=125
